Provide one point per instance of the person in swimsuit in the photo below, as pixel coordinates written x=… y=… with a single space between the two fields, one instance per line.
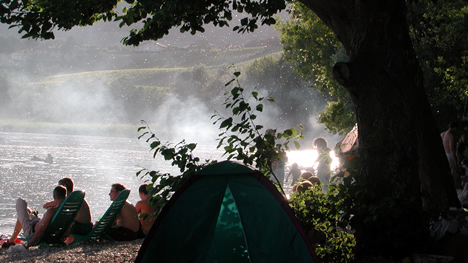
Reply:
x=82 y=223
x=145 y=210
x=127 y=225
x=34 y=227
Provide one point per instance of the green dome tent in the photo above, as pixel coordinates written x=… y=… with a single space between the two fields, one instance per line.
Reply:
x=225 y=213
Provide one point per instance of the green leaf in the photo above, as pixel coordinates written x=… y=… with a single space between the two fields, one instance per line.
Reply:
x=235 y=91
x=269 y=21
x=228 y=148
x=229 y=82
x=298 y=146
x=192 y=146
x=226 y=123
x=259 y=107
x=155 y=144
x=244 y=21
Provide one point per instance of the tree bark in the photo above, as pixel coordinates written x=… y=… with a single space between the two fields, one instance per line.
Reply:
x=403 y=164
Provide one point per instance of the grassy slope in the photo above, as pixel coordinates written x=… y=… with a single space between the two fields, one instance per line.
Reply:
x=163 y=65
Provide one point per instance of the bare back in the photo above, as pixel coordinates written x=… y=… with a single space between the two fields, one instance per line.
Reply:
x=448 y=140
x=143 y=207
x=84 y=215
x=41 y=226
x=45 y=220
x=128 y=217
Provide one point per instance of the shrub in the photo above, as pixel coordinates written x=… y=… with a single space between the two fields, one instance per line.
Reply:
x=323 y=222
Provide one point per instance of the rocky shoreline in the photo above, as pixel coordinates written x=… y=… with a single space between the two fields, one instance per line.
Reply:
x=84 y=252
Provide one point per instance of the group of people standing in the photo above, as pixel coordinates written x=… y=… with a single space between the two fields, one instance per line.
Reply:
x=321 y=175
x=132 y=222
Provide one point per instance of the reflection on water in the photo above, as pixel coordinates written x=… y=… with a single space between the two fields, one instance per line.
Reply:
x=94 y=163
x=306 y=159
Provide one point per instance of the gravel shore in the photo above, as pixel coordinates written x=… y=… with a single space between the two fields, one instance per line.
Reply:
x=84 y=252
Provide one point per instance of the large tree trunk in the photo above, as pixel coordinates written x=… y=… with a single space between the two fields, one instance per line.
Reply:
x=403 y=166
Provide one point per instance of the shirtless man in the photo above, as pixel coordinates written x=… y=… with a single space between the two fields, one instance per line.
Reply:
x=126 y=227
x=34 y=227
x=450 y=147
x=145 y=210
x=82 y=223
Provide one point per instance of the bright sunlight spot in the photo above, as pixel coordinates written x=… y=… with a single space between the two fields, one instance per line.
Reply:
x=307 y=158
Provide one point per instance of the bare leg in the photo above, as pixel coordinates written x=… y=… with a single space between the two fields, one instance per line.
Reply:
x=16 y=232
x=68 y=238
x=26 y=220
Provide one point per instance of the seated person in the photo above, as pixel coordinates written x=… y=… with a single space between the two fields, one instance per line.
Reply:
x=306 y=182
x=145 y=210
x=34 y=227
x=82 y=223
x=314 y=180
x=301 y=187
x=306 y=176
x=126 y=227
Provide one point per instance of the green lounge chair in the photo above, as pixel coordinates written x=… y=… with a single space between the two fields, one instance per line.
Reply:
x=62 y=220
x=99 y=230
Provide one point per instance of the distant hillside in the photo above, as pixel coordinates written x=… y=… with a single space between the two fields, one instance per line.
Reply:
x=86 y=82
x=160 y=68
x=107 y=87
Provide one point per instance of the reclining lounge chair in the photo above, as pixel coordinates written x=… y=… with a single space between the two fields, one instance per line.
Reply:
x=62 y=220
x=99 y=230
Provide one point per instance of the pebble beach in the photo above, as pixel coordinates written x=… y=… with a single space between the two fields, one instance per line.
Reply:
x=84 y=252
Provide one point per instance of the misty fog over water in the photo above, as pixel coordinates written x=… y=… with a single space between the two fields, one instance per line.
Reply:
x=78 y=80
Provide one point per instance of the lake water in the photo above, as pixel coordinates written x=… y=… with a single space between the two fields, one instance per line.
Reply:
x=94 y=163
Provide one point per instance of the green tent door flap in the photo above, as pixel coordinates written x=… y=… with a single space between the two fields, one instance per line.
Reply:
x=226 y=213
x=228 y=239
